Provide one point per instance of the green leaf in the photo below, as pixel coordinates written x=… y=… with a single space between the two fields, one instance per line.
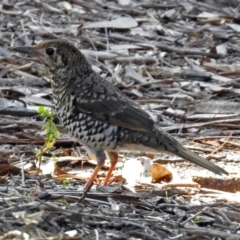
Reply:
x=65 y=183
x=49 y=144
x=197 y=218
x=48 y=126
x=57 y=134
x=40 y=110
x=52 y=127
x=50 y=137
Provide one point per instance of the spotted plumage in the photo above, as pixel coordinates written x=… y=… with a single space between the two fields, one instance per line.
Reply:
x=98 y=114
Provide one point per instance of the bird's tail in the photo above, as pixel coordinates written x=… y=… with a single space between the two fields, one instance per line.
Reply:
x=168 y=143
x=194 y=158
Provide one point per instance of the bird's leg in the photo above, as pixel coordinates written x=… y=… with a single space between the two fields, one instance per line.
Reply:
x=100 y=156
x=113 y=158
x=93 y=176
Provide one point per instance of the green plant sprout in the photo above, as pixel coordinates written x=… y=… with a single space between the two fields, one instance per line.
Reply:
x=51 y=130
x=65 y=182
x=197 y=218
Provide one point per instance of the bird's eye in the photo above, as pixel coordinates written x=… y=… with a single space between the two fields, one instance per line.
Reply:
x=50 y=51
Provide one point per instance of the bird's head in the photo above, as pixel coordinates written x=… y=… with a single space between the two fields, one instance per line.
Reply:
x=60 y=57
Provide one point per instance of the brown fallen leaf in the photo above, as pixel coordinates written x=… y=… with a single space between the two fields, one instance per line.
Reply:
x=7 y=168
x=150 y=155
x=58 y=170
x=116 y=179
x=212 y=142
x=160 y=173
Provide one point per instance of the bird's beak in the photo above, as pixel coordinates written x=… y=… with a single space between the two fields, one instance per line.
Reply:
x=27 y=50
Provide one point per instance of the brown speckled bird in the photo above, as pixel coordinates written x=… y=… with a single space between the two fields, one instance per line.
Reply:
x=98 y=114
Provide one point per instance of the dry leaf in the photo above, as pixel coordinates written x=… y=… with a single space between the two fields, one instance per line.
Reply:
x=58 y=170
x=7 y=168
x=160 y=173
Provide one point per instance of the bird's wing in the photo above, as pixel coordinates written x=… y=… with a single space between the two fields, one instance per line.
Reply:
x=102 y=100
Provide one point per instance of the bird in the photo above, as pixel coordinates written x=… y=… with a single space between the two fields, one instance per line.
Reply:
x=98 y=114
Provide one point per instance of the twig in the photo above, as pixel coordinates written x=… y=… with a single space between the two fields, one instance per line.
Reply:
x=220 y=147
